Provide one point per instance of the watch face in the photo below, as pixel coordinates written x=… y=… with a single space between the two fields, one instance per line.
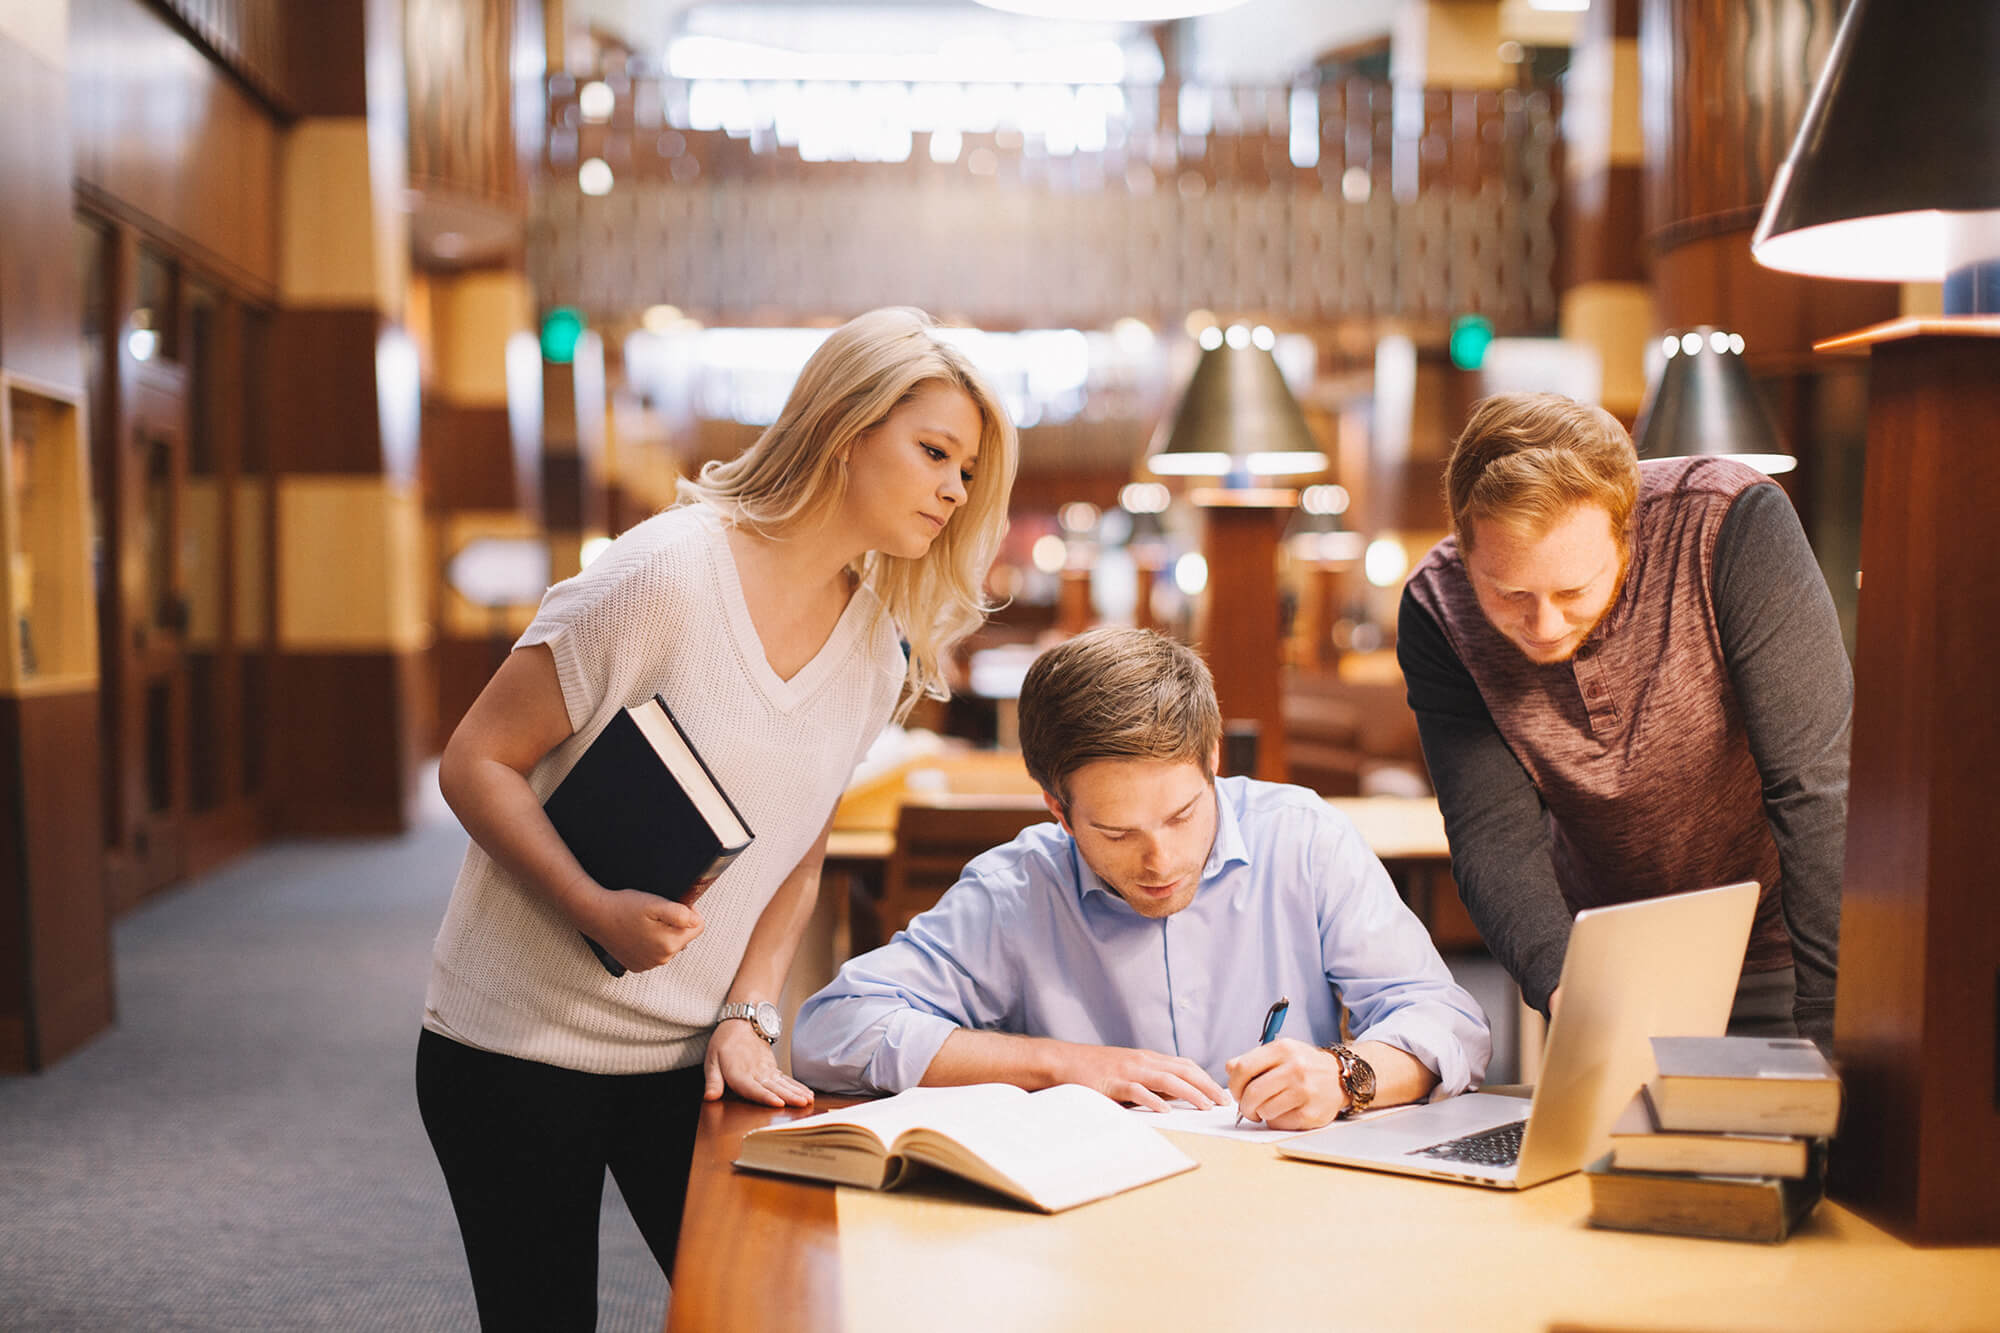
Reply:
x=767 y=1020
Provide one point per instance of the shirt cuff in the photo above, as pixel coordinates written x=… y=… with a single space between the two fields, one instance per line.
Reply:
x=911 y=1039
x=1442 y=1052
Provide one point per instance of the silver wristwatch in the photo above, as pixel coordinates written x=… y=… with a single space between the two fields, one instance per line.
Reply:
x=763 y=1016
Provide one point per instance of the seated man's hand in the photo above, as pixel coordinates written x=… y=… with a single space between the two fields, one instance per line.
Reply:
x=1142 y=1078
x=1288 y=1085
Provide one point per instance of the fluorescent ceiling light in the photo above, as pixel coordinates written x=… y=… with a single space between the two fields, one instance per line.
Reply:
x=699 y=57
x=1117 y=11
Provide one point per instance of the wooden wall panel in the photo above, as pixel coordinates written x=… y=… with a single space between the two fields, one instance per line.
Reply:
x=1726 y=85
x=164 y=135
x=1713 y=280
x=469 y=457
x=328 y=417
x=345 y=740
x=14 y=1009
x=55 y=943
x=38 y=283
x=69 y=935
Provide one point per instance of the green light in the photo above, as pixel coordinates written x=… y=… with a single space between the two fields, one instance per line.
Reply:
x=560 y=332
x=1470 y=337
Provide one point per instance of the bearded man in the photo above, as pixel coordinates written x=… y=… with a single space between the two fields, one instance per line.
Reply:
x=1629 y=681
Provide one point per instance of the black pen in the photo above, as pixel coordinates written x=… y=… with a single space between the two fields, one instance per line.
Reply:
x=1274 y=1018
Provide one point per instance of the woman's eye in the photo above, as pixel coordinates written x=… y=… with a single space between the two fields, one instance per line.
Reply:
x=965 y=476
x=936 y=454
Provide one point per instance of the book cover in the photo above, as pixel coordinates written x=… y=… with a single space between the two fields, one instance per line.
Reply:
x=1758 y=1084
x=641 y=810
x=1759 y=1208
x=1051 y=1150
x=1639 y=1144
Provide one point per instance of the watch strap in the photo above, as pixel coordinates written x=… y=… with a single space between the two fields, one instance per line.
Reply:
x=748 y=1013
x=1357 y=1078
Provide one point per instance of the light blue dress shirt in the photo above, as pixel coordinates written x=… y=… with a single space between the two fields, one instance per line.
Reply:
x=1030 y=941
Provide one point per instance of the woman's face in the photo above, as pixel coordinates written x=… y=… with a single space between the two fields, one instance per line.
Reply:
x=907 y=476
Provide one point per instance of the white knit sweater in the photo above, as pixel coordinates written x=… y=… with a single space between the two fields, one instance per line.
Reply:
x=662 y=611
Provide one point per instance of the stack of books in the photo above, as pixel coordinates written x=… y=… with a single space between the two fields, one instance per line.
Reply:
x=1727 y=1139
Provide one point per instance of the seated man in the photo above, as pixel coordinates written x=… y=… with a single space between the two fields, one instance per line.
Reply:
x=1134 y=945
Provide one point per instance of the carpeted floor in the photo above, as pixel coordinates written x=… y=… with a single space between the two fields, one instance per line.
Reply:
x=242 y=1150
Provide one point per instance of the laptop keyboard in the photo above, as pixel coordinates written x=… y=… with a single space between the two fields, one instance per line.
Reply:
x=1499 y=1146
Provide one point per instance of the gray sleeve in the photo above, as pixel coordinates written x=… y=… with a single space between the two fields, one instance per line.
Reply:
x=1781 y=639
x=1493 y=815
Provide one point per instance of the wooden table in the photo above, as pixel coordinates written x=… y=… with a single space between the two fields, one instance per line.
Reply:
x=1254 y=1241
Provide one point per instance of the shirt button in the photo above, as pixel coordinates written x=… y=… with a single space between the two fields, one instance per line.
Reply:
x=1594 y=691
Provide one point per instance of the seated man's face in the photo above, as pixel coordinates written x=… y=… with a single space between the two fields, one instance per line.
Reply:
x=1145 y=826
x=1546 y=592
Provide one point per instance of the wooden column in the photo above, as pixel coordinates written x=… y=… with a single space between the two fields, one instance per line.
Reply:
x=55 y=941
x=352 y=698
x=574 y=500
x=1073 y=611
x=475 y=487
x=1917 y=1012
x=1237 y=625
x=1605 y=301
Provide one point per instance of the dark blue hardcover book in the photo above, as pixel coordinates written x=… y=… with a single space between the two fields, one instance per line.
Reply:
x=641 y=810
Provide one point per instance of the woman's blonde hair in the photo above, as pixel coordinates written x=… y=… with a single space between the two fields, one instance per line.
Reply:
x=793 y=475
x=1526 y=459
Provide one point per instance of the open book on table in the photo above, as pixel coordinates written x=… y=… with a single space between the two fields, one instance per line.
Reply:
x=1051 y=1150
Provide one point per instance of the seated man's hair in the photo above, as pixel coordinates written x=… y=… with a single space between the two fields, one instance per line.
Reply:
x=1116 y=694
x=1524 y=460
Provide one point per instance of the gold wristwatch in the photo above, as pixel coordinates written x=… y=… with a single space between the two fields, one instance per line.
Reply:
x=1357 y=1079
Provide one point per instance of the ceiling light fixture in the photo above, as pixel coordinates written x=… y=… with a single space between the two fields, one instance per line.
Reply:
x=1113 y=11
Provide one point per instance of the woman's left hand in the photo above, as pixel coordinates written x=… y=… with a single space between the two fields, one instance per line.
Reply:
x=744 y=1063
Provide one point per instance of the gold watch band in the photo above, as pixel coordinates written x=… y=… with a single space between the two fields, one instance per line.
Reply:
x=1357 y=1078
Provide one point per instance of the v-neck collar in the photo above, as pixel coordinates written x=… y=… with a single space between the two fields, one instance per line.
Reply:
x=784 y=694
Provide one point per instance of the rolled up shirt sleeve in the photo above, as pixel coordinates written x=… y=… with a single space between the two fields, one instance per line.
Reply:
x=878 y=1025
x=1380 y=958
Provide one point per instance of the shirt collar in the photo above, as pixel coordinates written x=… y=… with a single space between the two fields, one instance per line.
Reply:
x=1228 y=849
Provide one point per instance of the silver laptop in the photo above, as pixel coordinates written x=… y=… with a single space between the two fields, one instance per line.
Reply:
x=1663 y=967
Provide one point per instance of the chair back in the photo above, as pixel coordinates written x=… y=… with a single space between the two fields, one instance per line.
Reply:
x=935 y=836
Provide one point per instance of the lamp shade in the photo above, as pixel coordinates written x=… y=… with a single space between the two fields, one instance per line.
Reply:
x=1704 y=403
x=1895 y=173
x=1236 y=415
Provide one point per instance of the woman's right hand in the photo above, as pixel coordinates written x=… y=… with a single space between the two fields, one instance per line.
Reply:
x=642 y=930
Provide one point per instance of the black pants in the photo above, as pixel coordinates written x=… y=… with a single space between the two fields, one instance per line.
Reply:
x=524 y=1147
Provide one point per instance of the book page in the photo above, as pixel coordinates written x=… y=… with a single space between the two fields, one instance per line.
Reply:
x=1067 y=1145
x=941 y=1108
x=674 y=751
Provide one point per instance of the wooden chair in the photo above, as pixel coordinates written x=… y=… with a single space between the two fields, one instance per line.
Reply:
x=935 y=836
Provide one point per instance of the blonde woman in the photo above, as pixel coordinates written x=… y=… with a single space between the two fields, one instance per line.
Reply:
x=771 y=609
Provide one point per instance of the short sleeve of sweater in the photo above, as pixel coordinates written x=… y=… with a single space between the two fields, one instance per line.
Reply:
x=582 y=619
